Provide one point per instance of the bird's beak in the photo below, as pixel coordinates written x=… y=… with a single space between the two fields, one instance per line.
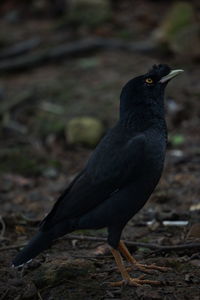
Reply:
x=171 y=75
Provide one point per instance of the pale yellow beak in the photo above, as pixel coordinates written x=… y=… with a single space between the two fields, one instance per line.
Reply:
x=171 y=75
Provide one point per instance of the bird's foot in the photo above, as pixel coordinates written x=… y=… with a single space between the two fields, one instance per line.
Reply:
x=136 y=265
x=148 y=268
x=134 y=282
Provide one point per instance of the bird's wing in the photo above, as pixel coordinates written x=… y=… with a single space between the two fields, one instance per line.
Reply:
x=108 y=170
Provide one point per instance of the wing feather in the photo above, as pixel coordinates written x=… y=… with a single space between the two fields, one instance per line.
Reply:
x=108 y=169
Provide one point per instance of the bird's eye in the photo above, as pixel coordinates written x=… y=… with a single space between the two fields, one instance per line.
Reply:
x=149 y=80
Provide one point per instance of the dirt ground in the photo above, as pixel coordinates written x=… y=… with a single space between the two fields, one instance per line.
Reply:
x=37 y=164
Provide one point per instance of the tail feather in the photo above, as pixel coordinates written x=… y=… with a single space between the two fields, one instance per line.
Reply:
x=40 y=242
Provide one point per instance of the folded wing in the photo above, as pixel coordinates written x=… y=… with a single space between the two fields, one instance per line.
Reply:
x=111 y=167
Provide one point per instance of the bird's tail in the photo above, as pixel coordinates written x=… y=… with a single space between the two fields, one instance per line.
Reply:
x=40 y=242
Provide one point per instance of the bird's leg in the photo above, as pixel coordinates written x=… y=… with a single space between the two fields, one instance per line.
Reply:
x=127 y=280
x=142 y=267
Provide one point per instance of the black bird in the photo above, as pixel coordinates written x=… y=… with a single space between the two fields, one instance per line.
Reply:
x=119 y=177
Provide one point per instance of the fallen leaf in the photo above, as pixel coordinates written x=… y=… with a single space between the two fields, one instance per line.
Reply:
x=101 y=250
x=20 y=229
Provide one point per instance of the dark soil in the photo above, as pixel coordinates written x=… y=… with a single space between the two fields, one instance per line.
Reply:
x=36 y=164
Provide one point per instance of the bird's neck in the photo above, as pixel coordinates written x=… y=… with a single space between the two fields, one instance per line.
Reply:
x=143 y=117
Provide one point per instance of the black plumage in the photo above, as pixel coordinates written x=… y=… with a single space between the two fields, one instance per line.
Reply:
x=121 y=173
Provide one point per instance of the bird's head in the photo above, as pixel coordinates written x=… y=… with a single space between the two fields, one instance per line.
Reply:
x=148 y=88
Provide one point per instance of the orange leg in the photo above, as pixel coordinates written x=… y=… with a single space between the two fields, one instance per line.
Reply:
x=127 y=280
x=145 y=268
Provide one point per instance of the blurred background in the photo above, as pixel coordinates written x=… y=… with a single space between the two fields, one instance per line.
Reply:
x=62 y=66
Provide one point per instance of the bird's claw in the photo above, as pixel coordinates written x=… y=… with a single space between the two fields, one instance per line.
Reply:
x=152 y=267
x=134 y=282
x=158 y=268
x=148 y=268
x=140 y=268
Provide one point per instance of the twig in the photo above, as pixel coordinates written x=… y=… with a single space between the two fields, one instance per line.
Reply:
x=151 y=246
x=20 y=48
x=76 y=48
x=39 y=295
x=137 y=244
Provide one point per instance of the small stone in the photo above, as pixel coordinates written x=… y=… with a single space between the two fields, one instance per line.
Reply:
x=50 y=172
x=179 y=30
x=173 y=107
x=176 y=153
x=85 y=131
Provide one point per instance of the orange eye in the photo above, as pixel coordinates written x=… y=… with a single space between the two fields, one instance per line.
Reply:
x=149 y=80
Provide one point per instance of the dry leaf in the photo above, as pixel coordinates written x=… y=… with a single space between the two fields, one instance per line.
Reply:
x=20 y=229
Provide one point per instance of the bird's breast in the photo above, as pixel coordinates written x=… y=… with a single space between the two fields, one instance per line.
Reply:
x=154 y=157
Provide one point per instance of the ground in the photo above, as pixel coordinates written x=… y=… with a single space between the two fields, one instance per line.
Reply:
x=37 y=163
